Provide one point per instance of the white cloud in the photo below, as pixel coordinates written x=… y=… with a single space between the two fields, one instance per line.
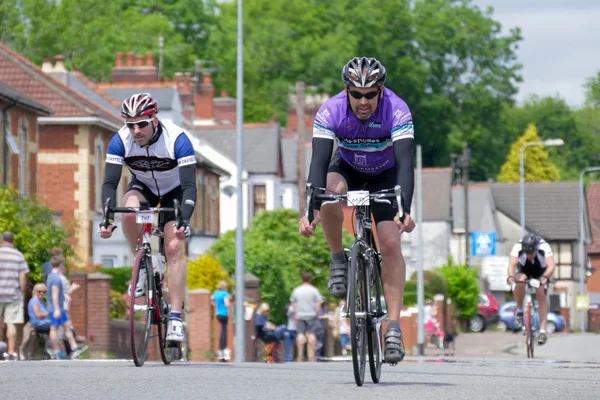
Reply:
x=559 y=50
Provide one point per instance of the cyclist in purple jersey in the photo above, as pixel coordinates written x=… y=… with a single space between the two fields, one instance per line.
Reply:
x=374 y=132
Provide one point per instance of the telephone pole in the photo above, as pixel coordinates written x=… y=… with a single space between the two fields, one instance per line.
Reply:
x=300 y=137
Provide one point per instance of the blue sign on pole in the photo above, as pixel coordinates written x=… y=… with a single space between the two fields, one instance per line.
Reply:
x=483 y=243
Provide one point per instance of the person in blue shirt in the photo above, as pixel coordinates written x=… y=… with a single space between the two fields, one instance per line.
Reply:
x=38 y=315
x=220 y=300
x=57 y=314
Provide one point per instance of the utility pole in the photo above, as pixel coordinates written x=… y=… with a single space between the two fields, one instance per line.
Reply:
x=161 y=48
x=300 y=137
x=464 y=162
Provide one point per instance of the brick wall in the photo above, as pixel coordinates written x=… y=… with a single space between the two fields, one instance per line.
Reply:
x=98 y=311
x=199 y=326
x=593 y=282
x=78 y=306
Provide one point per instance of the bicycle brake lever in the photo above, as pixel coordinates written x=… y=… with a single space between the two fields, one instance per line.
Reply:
x=398 y=192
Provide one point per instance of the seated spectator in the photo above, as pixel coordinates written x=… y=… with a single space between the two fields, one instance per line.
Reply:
x=265 y=329
x=38 y=315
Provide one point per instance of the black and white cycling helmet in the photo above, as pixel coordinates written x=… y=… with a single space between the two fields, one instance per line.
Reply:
x=364 y=72
x=530 y=243
x=139 y=104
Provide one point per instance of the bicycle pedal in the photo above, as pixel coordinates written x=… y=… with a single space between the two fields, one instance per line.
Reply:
x=393 y=364
x=173 y=344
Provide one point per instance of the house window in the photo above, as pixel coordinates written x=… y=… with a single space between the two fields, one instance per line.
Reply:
x=259 y=198
x=23 y=170
x=109 y=261
x=98 y=172
x=563 y=256
x=214 y=195
x=201 y=201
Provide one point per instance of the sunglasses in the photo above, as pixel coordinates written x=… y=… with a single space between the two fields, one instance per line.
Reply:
x=42 y=292
x=369 y=95
x=139 y=124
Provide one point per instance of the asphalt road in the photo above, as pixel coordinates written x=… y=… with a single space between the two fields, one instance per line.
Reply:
x=504 y=376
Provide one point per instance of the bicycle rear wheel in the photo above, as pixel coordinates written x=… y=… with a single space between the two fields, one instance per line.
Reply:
x=357 y=308
x=374 y=328
x=140 y=310
x=528 y=330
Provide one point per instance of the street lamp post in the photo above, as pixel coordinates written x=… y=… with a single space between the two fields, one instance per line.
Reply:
x=581 y=243
x=549 y=142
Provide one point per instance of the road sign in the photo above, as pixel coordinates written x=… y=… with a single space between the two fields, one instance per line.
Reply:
x=483 y=243
x=583 y=303
x=495 y=270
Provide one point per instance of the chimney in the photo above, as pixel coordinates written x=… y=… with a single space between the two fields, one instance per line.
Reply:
x=224 y=93
x=203 y=99
x=119 y=59
x=139 y=61
x=178 y=79
x=47 y=65
x=150 y=59
x=187 y=82
x=58 y=71
x=130 y=59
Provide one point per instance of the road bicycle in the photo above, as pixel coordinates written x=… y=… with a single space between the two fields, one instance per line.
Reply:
x=151 y=309
x=365 y=301
x=531 y=316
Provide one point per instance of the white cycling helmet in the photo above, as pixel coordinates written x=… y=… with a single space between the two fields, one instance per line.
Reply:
x=364 y=72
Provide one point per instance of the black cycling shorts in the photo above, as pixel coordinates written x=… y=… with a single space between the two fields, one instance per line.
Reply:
x=530 y=270
x=359 y=181
x=166 y=200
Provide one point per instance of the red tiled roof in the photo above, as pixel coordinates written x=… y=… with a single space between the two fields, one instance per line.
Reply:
x=24 y=76
x=593 y=204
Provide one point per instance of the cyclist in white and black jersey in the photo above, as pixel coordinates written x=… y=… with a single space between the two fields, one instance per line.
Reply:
x=162 y=163
x=532 y=258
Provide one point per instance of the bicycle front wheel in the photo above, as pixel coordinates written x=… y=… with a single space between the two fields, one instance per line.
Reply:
x=374 y=328
x=140 y=310
x=529 y=330
x=168 y=350
x=357 y=293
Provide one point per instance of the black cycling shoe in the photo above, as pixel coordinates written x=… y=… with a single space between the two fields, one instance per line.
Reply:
x=338 y=280
x=394 y=347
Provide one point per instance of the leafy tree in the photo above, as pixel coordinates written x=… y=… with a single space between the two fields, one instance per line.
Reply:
x=537 y=167
x=275 y=252
x=120 y=278
x=592 y=94
x=463 y=288
x=206 y=272
x=434 y=282
x=34 y=229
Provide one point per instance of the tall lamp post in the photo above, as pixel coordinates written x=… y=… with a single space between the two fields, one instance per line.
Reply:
x=581 y=243
x=549 y=142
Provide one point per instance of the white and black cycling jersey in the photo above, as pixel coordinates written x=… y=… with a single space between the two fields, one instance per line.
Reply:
x=544 y=250
x=155 y=165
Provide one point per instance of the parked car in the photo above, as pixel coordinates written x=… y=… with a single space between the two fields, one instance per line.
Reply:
x=487 y=313
x=508 y=320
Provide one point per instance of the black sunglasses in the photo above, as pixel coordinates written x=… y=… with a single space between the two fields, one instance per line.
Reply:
x=369 y=95
x=139 y=124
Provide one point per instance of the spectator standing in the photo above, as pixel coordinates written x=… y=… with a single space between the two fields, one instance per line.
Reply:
x=306 y=301
x=220 y=300
x=13 y=276
x=47 y=266
x=58 y=316
x=289 y=338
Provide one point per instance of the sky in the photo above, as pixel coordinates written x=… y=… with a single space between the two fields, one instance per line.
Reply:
x=560 y=47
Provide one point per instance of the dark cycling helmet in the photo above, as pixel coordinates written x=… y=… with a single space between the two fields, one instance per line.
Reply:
x=139 y=104
x=364 y=72
x=530 y=243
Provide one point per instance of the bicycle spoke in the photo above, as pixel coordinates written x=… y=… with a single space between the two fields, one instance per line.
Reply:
x=357 y=310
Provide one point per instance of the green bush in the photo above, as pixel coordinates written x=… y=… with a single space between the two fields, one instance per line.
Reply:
x=34 y=228
x=410 y=297
x=120 y=277
x=275 y=252
x=463 y=288
x=118 y=305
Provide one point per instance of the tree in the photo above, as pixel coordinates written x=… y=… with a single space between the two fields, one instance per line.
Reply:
x=463 y=288
x=592 y=93
x=34 y=229
x=206 y=272
x=275 y=252
x=537 y=166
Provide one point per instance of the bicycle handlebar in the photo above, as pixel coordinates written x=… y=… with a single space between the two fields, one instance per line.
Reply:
x=380 y=196
x=143 y=207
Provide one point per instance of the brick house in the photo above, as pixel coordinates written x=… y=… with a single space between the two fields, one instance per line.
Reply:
x=19 y=135
x=593 y=249
x=71 y=146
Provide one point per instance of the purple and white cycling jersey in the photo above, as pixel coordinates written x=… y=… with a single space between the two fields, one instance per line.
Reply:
x=367 y=146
